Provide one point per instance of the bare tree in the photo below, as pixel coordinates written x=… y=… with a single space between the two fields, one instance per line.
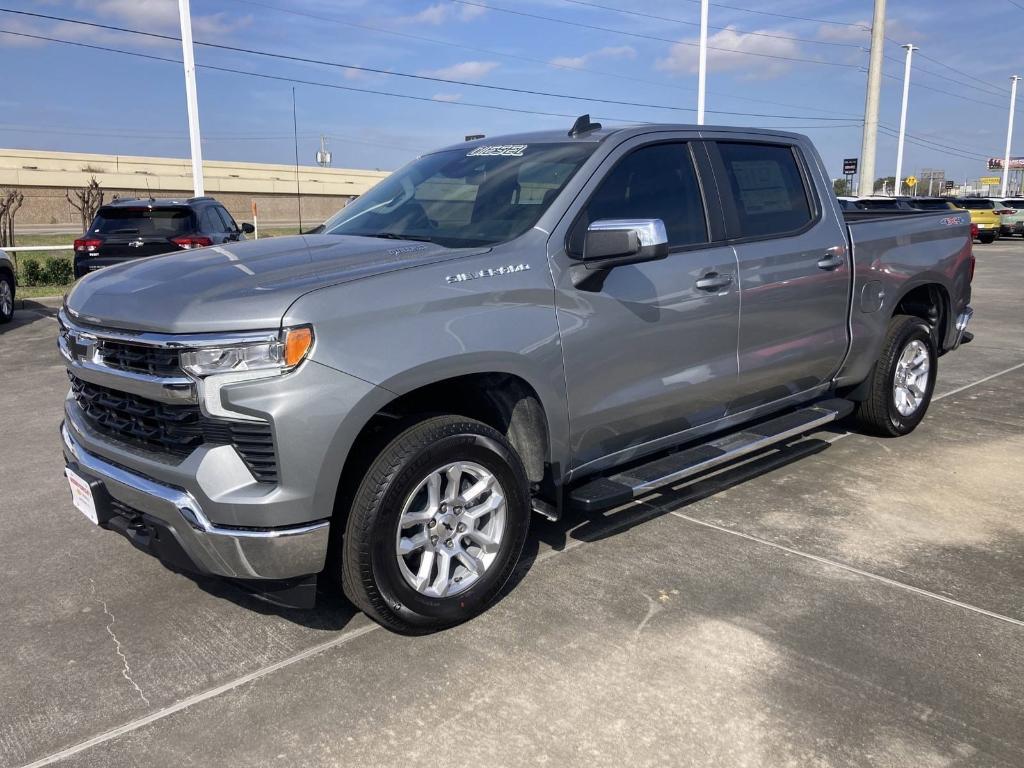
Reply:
x=87 y=201
x=10 y=202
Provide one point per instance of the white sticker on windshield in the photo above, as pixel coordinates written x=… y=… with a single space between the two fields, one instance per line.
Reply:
x=505 y=150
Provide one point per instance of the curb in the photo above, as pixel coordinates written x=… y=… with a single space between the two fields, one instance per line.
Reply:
x=43 y=302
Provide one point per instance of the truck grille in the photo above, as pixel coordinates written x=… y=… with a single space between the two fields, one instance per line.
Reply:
x=174 y=429
x=138 y=358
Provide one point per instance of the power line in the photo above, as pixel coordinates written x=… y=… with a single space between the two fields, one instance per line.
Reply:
x=936 y=144
x=788 y=16
x=429 y=78
x=532 y=60
x=613 y=31
x=696 y=24
x=947 y=78
x=892 y=134
x=946 y=92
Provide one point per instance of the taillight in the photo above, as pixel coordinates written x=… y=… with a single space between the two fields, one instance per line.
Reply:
x=192 y=241
x=87 y=245
x=1005 y=212
x=974 y=230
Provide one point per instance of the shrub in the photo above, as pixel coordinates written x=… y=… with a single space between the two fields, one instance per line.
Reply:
x=58 y=271
x=33 y=272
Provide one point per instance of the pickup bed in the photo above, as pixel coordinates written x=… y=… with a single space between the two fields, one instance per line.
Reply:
x=506 y=326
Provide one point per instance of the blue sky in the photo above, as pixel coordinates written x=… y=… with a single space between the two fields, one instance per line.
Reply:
x=75 y=99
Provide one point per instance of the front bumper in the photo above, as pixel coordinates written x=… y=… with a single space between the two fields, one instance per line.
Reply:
x=169 y=523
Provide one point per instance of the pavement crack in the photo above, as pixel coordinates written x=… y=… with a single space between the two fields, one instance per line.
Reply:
x=126 y=670
x=653 y=609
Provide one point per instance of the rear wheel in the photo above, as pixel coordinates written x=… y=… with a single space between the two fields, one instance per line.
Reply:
x=987 y=237
x=6 y=298
x=903 y=379
x=436 y=526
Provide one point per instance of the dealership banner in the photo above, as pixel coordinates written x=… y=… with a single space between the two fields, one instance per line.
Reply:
x=996 y=163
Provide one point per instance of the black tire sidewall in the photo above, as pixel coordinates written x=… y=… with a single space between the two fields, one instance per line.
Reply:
x=916 y=330
x=400 y=598
x=10 y=284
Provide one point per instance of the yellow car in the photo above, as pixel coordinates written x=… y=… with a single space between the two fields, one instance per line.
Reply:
x=983 y=215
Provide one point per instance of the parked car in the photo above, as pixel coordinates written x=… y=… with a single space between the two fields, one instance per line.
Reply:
x=8 y=287
x=983 y=213
x=130 y=229
x=1011 y=215
x=542 y=322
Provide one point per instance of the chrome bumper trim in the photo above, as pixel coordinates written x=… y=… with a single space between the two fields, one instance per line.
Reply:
x=962 y=321
x=242 y=553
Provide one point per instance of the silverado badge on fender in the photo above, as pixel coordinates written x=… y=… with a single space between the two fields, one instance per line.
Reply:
x=511 y=269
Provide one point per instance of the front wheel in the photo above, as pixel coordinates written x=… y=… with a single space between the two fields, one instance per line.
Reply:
x=436 y=526
x=903 y=379
x=6 y=298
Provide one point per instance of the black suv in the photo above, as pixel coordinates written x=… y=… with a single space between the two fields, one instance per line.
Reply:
x=131 y=229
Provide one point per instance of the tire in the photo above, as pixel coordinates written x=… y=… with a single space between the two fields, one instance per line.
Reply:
x=6 y=297
x=886 y=411
x=396 y=489
x=987 y=238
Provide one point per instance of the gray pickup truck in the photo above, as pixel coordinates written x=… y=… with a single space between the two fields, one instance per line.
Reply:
x=533 y=323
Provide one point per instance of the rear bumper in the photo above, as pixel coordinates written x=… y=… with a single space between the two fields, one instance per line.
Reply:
x=170 y=524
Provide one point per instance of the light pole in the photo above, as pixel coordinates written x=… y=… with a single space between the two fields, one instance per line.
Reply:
x=702 y=65
x=867 y=150
x=1009 y=133
x=191 y=100
x=903 y=118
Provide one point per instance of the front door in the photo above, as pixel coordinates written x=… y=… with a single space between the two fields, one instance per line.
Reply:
x=794 y=272
x=648 y=353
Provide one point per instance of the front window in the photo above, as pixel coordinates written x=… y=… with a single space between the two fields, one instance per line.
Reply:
x=464 y=197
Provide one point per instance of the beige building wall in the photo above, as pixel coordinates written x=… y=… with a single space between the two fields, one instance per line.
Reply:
x=45 y=177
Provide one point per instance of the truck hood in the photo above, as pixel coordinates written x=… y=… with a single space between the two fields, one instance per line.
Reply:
x=237 y=286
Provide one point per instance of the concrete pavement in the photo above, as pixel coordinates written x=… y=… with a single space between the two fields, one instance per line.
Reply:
x=849 y=601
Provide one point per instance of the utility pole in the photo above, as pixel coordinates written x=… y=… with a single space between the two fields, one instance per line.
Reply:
x=1009 y=133
x=867 y=151
x=191 y=99
x=702 y=66
x=903 y=117
x=295 y=135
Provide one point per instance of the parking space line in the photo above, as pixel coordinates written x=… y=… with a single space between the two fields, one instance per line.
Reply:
x=850 y=568
x=187 y=702
x=573 y=544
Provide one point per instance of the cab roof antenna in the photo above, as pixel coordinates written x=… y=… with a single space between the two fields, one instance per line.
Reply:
x=583 y=125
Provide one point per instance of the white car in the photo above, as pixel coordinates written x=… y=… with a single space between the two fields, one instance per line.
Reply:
x=7 y=288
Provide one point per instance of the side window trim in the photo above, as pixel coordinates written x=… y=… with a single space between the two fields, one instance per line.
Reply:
x=729 y=206
x=694 y=146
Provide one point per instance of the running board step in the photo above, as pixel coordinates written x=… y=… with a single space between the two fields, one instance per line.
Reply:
x=605 y=492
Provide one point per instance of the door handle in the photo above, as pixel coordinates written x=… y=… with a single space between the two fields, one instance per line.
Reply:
x=713 y=281
x=833 y=258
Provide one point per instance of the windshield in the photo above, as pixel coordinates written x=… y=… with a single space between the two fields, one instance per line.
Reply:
x=878 y=205
x=145 y=222
x=464 y=197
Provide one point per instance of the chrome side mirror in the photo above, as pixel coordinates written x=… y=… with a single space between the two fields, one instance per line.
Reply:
x=614 y=242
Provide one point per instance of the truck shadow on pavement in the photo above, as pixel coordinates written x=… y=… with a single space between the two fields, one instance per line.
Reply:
x=578 y=527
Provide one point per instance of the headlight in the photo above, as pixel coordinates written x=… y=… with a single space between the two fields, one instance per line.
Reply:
x=279 y=355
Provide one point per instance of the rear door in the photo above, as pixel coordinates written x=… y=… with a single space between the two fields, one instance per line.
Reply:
x=794 y=271
x=648 y=354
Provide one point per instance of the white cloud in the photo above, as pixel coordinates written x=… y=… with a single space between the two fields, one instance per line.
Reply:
x=858 y=34
x=724 y=54
x=441 y=12
x=163 y=15
x=449 y=97
x=610 y=52
x=467 y=70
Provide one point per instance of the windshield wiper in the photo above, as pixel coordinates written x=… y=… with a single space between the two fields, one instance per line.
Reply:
x=397 y=236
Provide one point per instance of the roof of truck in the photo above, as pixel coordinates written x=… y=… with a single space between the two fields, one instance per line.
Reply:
x=594 y=135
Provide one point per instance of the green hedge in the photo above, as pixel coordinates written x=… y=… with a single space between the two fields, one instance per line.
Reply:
x=51 y=270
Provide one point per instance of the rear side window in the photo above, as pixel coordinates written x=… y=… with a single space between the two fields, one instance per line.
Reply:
x=229 y=222
x=144 y=222
x=976 y=204
x=653 y=182
x=209 y=220
x=768 y=188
